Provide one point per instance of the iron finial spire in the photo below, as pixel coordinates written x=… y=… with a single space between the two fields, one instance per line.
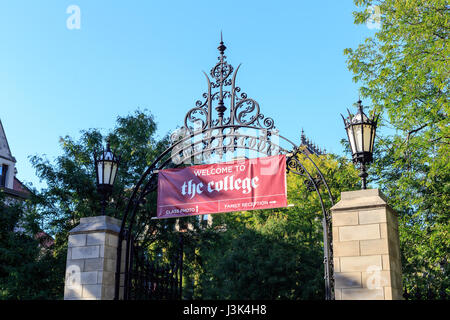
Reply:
x=108 y=146
x=360 y=106
x=221 y=47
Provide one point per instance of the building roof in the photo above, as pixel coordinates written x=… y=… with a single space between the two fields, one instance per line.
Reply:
x=5 y=151
x=311 y=147
x=17 y=189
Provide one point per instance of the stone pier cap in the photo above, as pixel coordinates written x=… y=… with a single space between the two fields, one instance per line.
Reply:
x=360 y=199
x=97 y=224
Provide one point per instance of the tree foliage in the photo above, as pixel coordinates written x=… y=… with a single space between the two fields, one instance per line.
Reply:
x=404 y=71
x=71 y=192
x=26 y=263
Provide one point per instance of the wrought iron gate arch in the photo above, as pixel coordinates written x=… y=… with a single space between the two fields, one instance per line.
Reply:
x=240 y=109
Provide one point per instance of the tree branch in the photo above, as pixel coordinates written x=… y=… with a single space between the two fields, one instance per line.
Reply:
x=416 y=130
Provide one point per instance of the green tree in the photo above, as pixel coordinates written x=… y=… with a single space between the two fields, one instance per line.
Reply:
x=71 y=192
x=26 y=262
x=404 y=71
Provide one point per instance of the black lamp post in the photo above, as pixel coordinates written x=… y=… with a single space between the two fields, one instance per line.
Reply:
x=361 y=135
x=106 y=165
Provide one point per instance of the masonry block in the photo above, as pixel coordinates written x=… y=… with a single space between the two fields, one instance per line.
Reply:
x=396 y=282
x=96 y=238
x=360 y=232
x=108 y=291
x=372 y=247
x=371 y=216
x=363 y=294
x=361 y=263
x=110 y=265
x=335 y=233
x=77 y=240
x=388 y=293
x=348 y=280
x=386 y=262
x=108 y=252
x=92 y=292
x=86 y=252
x=73 y=292
x=346 y=249
x=383 y=230
x=94 y=264
x=345 y=219
x=108 y=278
x=89 y=277
x=337 y=264
x=111 y=240
x=376 y=278
x=392 y=218
x=77 y=265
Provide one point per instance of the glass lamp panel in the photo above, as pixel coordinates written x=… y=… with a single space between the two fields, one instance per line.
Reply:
x=104 y=172
x=357 y=129
x=351 y=139
x=113 y=173
x=100 y=172
x=368 y=140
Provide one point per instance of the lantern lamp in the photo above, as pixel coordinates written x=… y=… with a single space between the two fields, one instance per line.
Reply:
x=361 y=136
x=106 y=165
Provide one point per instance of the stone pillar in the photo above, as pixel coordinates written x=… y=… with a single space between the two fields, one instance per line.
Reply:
x=91 y=259
x=366 y=247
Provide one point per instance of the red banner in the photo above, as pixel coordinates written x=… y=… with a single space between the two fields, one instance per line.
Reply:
x=243 y=185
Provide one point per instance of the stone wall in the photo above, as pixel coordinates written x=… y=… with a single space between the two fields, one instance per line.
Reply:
x=91 y=259
x=366 y=247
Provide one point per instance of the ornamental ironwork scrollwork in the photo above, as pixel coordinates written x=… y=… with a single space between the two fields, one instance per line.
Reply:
x=221 y=71
x=211 y=111
x=312 y=185
x=220 y=140
x=293 y=165
x=196 y=116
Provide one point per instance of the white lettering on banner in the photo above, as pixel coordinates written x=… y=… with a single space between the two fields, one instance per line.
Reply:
x=191 y=189
x=214 y=171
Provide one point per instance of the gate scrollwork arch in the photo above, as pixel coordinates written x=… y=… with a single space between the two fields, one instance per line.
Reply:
x=212 y=132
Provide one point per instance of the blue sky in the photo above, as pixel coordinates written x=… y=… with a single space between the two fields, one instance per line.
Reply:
x=150 y=54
